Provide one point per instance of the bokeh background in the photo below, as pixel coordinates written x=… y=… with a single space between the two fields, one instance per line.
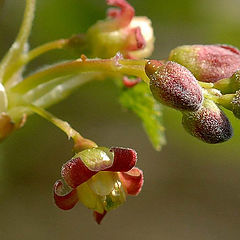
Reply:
x=191 y=190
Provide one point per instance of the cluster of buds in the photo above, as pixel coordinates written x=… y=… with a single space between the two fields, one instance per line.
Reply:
x=99 y=178
x=194 y=81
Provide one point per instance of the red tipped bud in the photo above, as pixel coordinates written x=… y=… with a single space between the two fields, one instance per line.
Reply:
x=174 y=85
x=208 y=124
x=208 y=63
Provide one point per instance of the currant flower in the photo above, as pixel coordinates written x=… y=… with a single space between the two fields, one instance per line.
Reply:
x=121 y=32
x=99 y=178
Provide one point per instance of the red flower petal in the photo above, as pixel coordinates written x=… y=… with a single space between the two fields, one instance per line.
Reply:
x=132 y=180
x=75 y=172
x=99 y=216
x=126 y=14
x=64 y=201
x=136 y=39
x=113 y=13
x=130 y=82
x=124 y=159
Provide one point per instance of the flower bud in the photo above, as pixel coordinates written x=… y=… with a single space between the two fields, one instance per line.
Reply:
x=208 y=63
x=174 y=85
x=208 y=124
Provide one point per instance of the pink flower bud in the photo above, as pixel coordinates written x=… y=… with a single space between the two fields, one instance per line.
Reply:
x=208 y=63
x=174 y=85
x=208 y=124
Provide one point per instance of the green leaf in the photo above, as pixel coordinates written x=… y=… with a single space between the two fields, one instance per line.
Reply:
x=140 y=100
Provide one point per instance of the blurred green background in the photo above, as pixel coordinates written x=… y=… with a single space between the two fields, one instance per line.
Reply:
x=191 y=189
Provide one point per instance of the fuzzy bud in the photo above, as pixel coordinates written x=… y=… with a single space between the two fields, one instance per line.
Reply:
x=208 y=63
x=208 y=124
x=174 y=85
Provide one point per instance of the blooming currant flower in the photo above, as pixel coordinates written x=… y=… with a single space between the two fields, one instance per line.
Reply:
x=99 y=178
x=122 y=32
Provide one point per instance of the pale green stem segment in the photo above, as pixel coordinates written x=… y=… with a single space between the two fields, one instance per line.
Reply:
x=211 y=95
x=48 y=94
x=26 y=58
x=226 y=101
x=80 y=142
x=63 y=125
x=127 y=67
x=19 y=46
x=206 y=85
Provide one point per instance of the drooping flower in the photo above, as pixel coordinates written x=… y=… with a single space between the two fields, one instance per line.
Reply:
x=121 y=32
x=174 y=85
x=208 y=63
x=99 y=178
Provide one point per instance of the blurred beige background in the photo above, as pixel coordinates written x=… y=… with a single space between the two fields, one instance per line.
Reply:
x=191 y=189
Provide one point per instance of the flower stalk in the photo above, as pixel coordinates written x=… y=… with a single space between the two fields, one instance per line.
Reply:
x=19 y=47
x=80 y=143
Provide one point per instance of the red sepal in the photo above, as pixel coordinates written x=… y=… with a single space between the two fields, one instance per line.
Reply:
x=66 y=201
x=99 y=216
x=132 y=180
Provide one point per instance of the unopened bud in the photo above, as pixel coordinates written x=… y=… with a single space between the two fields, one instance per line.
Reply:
x=208 y=124
x=208 y=63
x=174 y=85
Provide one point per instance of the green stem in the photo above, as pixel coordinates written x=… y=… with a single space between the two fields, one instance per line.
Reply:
x=79 y=66
x=206 y=85
x=63 y=125
x=26 y=58
x=19 y=46
x=79 y=140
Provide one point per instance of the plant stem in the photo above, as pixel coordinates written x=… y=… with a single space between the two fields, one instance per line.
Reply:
x=65 y=127
x=79 y=66
x=19 y=45
x=26 y=58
